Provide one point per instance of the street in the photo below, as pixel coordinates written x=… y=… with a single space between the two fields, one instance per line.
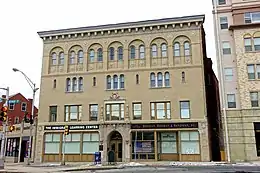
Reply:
x=190 y=169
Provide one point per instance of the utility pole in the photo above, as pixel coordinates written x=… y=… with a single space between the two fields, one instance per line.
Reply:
x=4 y=125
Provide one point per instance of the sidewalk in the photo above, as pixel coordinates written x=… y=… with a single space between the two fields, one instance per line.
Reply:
x=74 y=166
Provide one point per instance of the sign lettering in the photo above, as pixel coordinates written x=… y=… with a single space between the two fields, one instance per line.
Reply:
x=165 y=126
x=72 y=127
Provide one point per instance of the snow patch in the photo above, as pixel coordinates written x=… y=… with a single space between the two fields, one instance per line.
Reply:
x=196 y=163
x=131 y=164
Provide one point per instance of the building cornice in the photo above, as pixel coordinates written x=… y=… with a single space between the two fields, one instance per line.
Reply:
x=122 y=27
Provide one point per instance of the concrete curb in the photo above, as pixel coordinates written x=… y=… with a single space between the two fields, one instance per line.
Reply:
x=90 y=168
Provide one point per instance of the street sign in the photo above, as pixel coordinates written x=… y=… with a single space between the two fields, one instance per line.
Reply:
x=14 y=101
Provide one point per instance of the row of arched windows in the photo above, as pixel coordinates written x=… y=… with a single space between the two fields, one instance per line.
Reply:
x=117 y=54
x=159 y=79
x=74 y=85
x=116 y=82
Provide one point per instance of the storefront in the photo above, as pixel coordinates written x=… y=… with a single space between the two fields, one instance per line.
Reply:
x=165 y=142
x=80 y=145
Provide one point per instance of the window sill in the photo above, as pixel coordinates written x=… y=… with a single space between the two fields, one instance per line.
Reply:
x=119 y=89
x=160 y=87
x=253 y=79
x=73 y=92
x=253 y=51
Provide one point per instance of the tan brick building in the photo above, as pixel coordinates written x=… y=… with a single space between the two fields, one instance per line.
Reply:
x=237 y=28
x=137 y=89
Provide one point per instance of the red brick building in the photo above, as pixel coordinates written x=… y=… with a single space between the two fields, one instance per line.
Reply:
x=16 y=111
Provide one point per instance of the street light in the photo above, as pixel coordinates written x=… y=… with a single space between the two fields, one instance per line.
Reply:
x=33 y=86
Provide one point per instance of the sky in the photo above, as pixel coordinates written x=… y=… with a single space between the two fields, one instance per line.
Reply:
x=21 y=47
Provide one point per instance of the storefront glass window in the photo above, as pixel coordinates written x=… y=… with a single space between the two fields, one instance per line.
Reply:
x=52 y=143
x=12 y=148
x=167 y=143
x=90 y=143
x=143 y=145
x=72 y=145
x=190 y=142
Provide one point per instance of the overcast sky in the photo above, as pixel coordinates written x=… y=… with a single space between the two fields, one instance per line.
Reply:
x=21 y=46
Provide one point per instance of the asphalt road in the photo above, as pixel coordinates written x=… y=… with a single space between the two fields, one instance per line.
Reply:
x=184 y=169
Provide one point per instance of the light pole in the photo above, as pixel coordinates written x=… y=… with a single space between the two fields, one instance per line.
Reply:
x=4 y=124
x=33 y=86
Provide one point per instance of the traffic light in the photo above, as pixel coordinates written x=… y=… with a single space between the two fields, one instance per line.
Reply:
x=3 y=115
x=66 y=130
x=11 y=128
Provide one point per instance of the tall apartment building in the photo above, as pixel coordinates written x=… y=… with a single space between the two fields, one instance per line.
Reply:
x=137 y=89
x=237 y=32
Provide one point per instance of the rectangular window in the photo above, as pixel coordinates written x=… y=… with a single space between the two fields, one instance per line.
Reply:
x=251 y=71
x=228 y=74
x=223 y=23
x=53 y=113
x=143 y=145
x=221 y=2
x=11 y=106
x=258 y=71
x=190 y=142
x=73 y=112
x=254 y=99
x=23 y=106
x=12 y=147
x=253 y=17
x=231 y=99
x=90 y=143
x=93 y=112
x=226 y=48
x=185 y=109
x=137 y=111
x=160 y=110
x=72 y=145
x=52 y=143
x=257 y=43
x=248 y=44
x=167 y=142
x=115 y=111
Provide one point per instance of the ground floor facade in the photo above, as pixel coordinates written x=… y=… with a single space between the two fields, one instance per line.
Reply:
x=243 y=134
x=17 y=144
x=178 y=141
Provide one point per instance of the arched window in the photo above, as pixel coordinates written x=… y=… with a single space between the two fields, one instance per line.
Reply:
x=152 y=80
x=54 y=83
x=68 y=85
x=109 y=82
x=80 y=84
x=257 y=43
x=176 y=49
x=183 y=77
x=61 y=58
x=54 y=59
x=141 y=52
x=91 y=55
x=72 y=57
x=186 y=49
x=167 y=79
x=80 y=57
x=159 y=79
x=122 y=81
x=132 y=52
x=74 y=84
x=154 y=51
x=115 y=82
x=137 y=79
x=164 y=50
x=111 y=53
x=94 y=81
x=120 y=53
x=100 y=55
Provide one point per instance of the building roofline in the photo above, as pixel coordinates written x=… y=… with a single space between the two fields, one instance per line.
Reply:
x=122 y=25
